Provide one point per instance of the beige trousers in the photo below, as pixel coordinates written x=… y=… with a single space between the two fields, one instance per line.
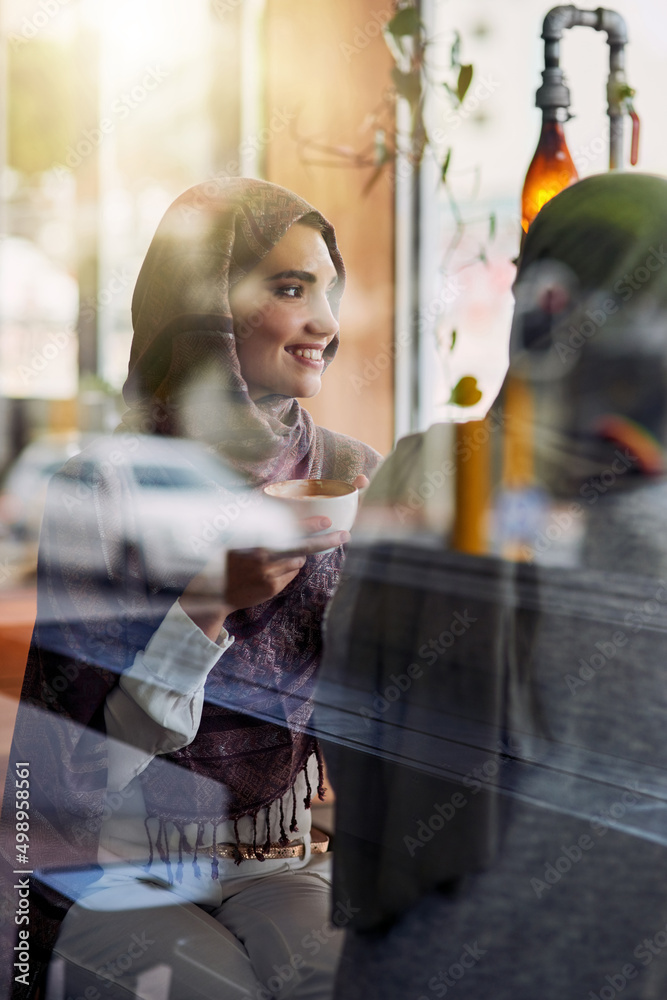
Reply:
x=255 y=937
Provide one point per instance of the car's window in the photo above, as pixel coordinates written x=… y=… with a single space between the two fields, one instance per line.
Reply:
x=84 y=474
x=153 y=477
x=52 y=468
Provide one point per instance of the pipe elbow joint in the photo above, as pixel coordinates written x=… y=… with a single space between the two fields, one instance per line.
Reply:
x=558 y=20
x=615 y=26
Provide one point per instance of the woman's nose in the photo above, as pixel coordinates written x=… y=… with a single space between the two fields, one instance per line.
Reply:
x=323 y=319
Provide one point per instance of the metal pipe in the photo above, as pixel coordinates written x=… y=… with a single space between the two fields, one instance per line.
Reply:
x=553 y=97
x=615 y=85
x=615 y=26
x=559 y=19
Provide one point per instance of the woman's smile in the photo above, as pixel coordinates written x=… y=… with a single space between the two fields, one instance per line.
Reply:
x=310 y=355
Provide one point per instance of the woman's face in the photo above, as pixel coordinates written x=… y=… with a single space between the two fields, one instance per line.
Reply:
x=283 y=317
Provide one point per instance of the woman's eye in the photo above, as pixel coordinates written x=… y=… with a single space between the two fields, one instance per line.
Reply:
x=289 y=292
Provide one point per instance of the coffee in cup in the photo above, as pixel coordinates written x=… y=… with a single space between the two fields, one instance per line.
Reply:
x=330 y=498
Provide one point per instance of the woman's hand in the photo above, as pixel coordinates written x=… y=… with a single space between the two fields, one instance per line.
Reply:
x=257 y=575
x=253 y=576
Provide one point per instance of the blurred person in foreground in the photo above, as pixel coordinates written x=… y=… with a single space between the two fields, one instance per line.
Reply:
x=164 y=717
x=496 y=722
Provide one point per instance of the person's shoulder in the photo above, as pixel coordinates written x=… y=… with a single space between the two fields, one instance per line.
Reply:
x=413 y=459
x=433 y=442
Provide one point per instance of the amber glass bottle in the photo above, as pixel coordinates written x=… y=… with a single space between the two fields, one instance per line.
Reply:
x=550 y=171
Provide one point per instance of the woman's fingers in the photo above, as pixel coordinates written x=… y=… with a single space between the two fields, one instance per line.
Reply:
x=315 y=544
x=284 y=564
x=310 y=525
x=361 y=482
x=256 y=575
x=320 y=543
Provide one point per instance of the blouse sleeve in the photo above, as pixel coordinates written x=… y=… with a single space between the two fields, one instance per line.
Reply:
x=156 y=707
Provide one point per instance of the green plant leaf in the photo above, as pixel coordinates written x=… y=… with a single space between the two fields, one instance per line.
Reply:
x=492 y=225
x=445 y=166
x=408 y=85
x=456 y=50
x=466 y=392
x=465 y=78
x=405 y=22
x=381 y=153
x=452 y=344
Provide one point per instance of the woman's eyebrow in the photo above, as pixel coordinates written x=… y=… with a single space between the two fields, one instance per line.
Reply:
x=301 y=275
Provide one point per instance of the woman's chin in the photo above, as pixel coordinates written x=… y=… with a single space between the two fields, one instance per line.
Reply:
x=305 y=388
x=303 y=391
x=310 y=392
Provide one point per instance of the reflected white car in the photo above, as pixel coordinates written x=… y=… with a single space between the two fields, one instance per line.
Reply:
x=168 y=502
x=23 y=493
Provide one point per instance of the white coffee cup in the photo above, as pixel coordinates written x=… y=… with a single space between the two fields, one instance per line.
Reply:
x=330 y=498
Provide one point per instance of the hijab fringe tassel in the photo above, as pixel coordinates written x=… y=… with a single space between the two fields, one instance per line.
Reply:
x=198 y=843
x=147 y=867
x=214 y=863
x=293 y=827
x=267 y=842
x=255 y=850
x=309 y=790
x=321 y=789
x=160 y=843
x=239 y=857
x=284 y=839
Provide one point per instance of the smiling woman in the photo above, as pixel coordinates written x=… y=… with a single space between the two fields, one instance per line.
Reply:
x=173 y=762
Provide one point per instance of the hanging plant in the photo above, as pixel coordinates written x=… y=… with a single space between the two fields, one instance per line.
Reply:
x=410 y=80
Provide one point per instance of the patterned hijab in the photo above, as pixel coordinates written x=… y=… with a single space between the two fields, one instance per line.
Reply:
x=209 y=239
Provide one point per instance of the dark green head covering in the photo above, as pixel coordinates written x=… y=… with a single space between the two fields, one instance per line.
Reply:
x=590 y=328
x=600 y=227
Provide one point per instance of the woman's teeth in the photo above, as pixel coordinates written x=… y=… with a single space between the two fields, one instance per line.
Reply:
x=311 y=355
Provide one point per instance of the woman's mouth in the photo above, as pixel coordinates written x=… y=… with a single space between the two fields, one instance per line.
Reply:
x=311 y=356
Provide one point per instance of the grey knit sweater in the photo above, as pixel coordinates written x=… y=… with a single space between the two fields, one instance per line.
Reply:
x=511 y=843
